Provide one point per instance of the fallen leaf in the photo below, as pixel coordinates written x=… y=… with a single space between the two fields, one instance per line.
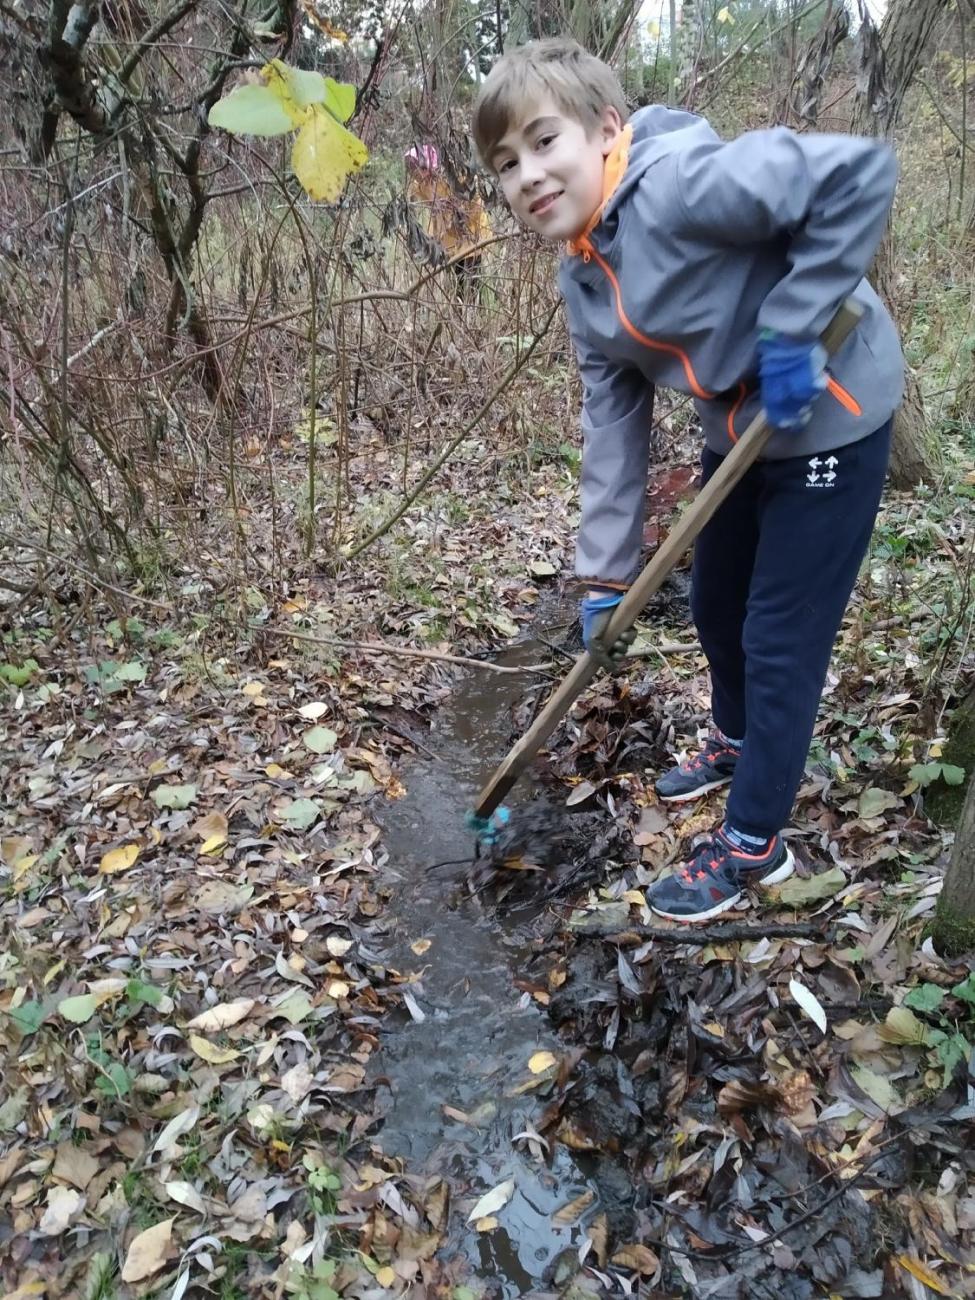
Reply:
x=903 y=1026
x=541 y=1062
x=338 y=990
x=313 y=711
x=179 y=1125
x=148 y=1251
x=386 y=1277
x=421 y=946
x=185 y=1194
x=214 y=823
x=222 y=1016
x=78 y=1009
x=809 y=1003
x=487 y=1224
x=175 y=797
x=640 y=1258
x=574 y=1209
x=213 y=845
x=923 y=1274
x=63 y=1203
x=874 y=801
x=337 y=946
x=74 y=1165
x=120 y=859
x=795 y=891
x=210 y=1053
x=493 y=1200
x=320 y=740
x=298 y=1081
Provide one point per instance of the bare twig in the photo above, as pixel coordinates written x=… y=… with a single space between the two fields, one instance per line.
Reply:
x=700 y=936
x=402 y=651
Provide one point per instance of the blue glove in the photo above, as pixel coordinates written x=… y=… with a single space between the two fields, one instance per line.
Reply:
x=596 y=612
x=792 y=374
x=488 y=829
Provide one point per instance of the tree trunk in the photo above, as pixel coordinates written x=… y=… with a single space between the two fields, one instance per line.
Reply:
x=889 y=59
x=954 y=920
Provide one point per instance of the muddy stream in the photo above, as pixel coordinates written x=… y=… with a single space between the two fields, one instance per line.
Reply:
x=472 y=1048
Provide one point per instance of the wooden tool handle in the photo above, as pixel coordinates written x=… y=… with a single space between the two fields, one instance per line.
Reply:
x=742 y=456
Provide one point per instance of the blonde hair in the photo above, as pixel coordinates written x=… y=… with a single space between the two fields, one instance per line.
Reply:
x=580 y=84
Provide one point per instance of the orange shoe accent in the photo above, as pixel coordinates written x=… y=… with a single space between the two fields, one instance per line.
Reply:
x=845 y=399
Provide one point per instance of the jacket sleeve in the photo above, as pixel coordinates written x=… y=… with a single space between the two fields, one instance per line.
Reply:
x=616 y=415
x=826 y=196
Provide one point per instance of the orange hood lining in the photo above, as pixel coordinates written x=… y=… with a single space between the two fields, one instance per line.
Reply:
x=613 y=170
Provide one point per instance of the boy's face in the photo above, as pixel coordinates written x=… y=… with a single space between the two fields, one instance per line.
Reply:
x=551 y=170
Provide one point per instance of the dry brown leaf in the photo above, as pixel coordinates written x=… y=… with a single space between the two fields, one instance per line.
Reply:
x=640 y=1258
x=574 y=1209
x=599 y=1236
x=147 y=1252
x=212 y=824
x=63 y=1203
x=74 y=1165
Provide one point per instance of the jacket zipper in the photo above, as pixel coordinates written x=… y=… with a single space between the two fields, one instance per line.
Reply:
x=841 y=395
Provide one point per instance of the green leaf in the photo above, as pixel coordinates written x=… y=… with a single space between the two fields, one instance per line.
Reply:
x=177 y=797
x=966 y=989
x=28 y=1017
x=13 y=1110
x=339 y=99
x=874 y=801
x=951 y=1052
x=796 y=892
x=302 y=813
x=19 y=674
x=926 y=997
x=925 y=773
x=251 y=110
x=116 y=1081
x=131 y=672
x=304 y=87
x=952 y=775
x=320 y=740
x=78 y=1009
x=137 y=991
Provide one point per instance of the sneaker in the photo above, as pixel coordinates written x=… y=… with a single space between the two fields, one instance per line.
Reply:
x=713 y=767
x=716 y=876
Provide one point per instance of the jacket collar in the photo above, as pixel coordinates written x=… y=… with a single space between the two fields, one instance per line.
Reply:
x=613 y=170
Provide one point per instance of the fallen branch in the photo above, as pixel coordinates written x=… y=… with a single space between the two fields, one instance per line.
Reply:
x=404 y=652
x=724 y=933
x=95 y=579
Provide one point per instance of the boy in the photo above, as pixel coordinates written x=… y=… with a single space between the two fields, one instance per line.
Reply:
x=713 y=268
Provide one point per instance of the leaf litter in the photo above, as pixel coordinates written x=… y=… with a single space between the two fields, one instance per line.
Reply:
x=194 y=995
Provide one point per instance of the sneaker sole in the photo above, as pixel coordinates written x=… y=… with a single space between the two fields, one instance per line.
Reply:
x=691 y=795
x=780 y=873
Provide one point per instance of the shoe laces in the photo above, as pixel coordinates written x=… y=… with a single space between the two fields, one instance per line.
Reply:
x=712 y=749
x=707 y=860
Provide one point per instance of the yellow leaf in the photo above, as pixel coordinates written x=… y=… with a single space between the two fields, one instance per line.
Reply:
x=325 y=154
x=923 y=1274
x=210 y=1053
x=148 y=1251
x=337 y=990
x=253 y=689
x=275 y=771
x=386 y=1277
x=653 y=29
x=119 y=859
x=214 y=844
x=724 y=15
x=635 y=898
x=486 y=1225
x=421 y=946
x=542 y=1061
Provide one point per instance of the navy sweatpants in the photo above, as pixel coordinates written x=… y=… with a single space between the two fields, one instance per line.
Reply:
x=773 y=571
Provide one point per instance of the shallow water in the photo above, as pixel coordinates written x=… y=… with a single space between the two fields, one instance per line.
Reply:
x=480 y=1030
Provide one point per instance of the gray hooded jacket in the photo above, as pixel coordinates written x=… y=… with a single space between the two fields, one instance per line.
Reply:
x=702 y=245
